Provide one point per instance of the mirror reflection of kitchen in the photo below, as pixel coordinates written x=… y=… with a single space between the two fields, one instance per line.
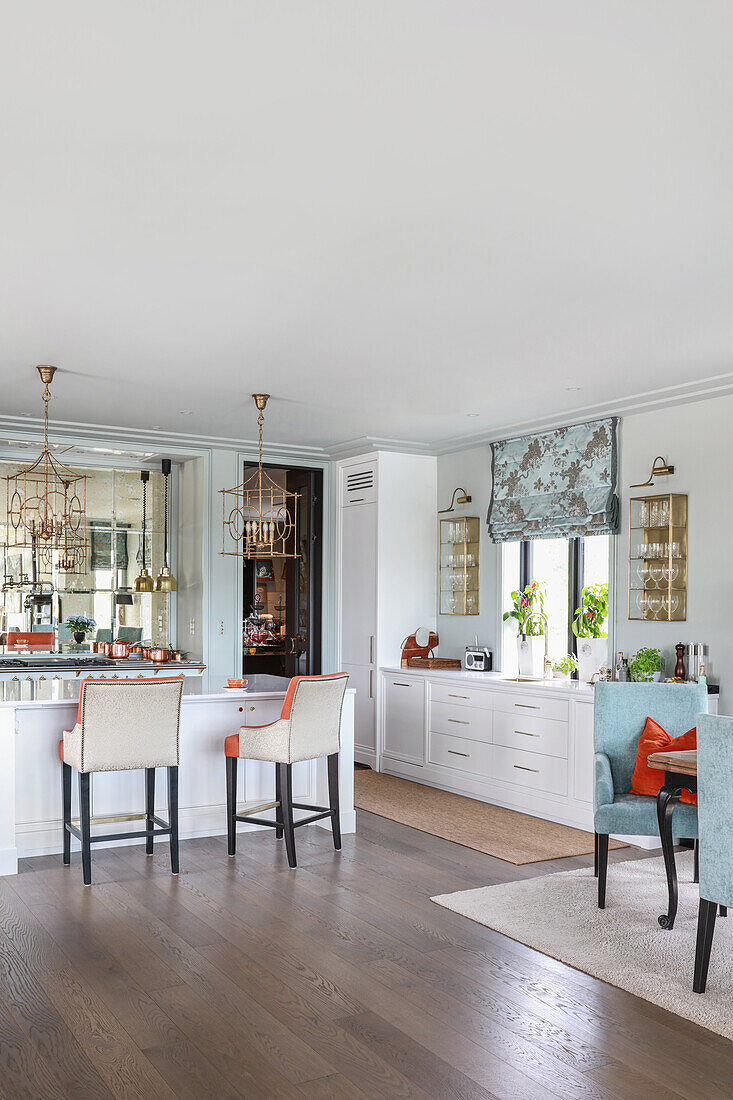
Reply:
x=281 y=604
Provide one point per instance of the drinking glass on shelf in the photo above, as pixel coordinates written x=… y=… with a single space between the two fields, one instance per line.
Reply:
x=642 y=572
x=653 y=513
x=654 y=604
x=643 y=514
x=451 y=602
x=656 y=572
x=674 y=602
x=674 y=573
x=640 y=604
x=470 y=601
x=663 y=513
x=675 y=549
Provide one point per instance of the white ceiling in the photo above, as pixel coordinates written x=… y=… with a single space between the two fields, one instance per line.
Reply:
x=390 y=215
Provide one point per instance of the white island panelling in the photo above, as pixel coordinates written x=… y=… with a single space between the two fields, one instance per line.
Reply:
x=30 y=771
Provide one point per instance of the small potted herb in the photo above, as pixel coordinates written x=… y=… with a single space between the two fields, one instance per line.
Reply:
x=589 y=627
x=565 y=666
x=646 y=666
x=80 y=626
x=528 y=608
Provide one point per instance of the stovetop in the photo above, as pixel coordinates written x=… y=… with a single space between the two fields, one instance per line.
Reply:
x=53 y=660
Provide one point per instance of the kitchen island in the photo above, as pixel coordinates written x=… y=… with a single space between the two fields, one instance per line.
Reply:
x=30 y=772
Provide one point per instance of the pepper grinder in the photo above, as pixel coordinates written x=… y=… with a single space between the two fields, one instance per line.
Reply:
x=679 y=668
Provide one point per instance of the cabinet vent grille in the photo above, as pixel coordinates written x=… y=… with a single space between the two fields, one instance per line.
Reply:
x=364 y=479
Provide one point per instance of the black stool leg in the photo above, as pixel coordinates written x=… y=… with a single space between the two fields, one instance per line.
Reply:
x=333 y=798
x=278 y=808
x=66 y=777
x=705 y=929
x=173 y=816
x=723 y=911
x=696 y=876
x=86 y=828
x=231 y=805
x=149 y=808
x=595 y=857
x=602 y=868
x=286 y=790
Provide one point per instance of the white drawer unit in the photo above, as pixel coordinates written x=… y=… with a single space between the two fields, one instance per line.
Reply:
x=461 y=721
x=404 y=725
x=459 y=696
x=529 y=733
x=461 y=754
x=531 y=769
x=541 y=706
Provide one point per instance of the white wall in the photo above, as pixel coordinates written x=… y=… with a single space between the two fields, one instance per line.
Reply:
x=472 y=471
x=190 y=568
x=697 y=439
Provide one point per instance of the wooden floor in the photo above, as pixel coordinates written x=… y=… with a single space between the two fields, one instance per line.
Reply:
x=340 y=979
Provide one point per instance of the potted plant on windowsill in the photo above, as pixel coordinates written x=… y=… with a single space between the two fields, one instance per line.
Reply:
x=565 y=666
x=529 y=611
x=589 y=627
x=646 y=666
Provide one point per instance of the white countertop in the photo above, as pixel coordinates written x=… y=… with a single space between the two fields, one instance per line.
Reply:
x=497 y=680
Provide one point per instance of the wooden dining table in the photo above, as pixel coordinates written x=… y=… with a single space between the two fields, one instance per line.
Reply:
x=680 y=774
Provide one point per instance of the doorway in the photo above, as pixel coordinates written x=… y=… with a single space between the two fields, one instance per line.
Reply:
x=281 y=597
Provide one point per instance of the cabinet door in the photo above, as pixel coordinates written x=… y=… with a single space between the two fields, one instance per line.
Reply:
x=404 y=718
x=358 y=584
x=582 y=724
x=363 y=680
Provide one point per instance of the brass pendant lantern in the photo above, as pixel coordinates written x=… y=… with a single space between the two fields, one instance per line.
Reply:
x=46 y=506
x=165 y=581
x=259 y=517
x=143 y=581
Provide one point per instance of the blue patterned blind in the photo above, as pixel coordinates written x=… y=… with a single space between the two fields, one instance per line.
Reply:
x=558 y=484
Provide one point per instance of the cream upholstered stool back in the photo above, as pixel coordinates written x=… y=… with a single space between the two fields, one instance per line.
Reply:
x=126 y=724
x=123 y=725
x=308 y=728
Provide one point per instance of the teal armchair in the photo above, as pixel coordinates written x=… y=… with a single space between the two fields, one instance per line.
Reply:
x=620 y=712
x=715 y=816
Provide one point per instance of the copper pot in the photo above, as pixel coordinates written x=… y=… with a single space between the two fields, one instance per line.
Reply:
x=121 y=650
x=177 y=655
x=108 y=647
x=147 y=654
x=97 y=647
x=137 y=651
x=159 y=656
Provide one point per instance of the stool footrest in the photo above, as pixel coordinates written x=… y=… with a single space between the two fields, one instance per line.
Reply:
x=164 y=829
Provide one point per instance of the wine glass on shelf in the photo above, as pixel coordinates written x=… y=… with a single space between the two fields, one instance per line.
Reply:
x=643 y=514
x=654 y=603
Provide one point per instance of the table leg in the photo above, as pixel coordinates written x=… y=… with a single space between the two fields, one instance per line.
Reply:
x=667 y=799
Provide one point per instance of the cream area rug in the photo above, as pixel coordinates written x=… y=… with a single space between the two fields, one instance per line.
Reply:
x=622 y=944
x=514 y=837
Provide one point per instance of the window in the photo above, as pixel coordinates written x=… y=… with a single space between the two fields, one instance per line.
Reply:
x=565 y=566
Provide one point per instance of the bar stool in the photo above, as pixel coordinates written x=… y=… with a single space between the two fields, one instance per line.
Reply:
x=123 y=725
x=308 y=728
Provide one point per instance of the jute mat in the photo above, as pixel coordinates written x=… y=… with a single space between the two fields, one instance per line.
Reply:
x=506 y=834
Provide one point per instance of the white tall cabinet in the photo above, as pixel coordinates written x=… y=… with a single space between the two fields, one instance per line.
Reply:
x=387 y=571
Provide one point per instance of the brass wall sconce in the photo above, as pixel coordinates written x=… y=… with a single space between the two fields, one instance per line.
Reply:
x=462 y=499
x=659 y=469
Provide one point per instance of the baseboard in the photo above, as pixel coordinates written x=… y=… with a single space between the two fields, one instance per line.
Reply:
x=8 y=861
x=366 y=756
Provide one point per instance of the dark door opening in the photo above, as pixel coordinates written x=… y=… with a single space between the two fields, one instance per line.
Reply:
x=281 y=607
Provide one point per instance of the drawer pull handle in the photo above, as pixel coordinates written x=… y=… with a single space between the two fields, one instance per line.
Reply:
x=452 y=696
x=526 y=706
x=398 y=684
x=454 y=752
x=459 y=722
x=523 y=734
x=522 y=768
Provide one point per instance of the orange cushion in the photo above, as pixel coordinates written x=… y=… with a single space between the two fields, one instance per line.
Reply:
x=654 y=738
x=231 y=745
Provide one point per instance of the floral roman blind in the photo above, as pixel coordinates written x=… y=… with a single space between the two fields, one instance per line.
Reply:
x=558 y=484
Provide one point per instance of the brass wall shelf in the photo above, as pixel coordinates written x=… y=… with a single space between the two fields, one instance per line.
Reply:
x=658 y=558
x=459 y=566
